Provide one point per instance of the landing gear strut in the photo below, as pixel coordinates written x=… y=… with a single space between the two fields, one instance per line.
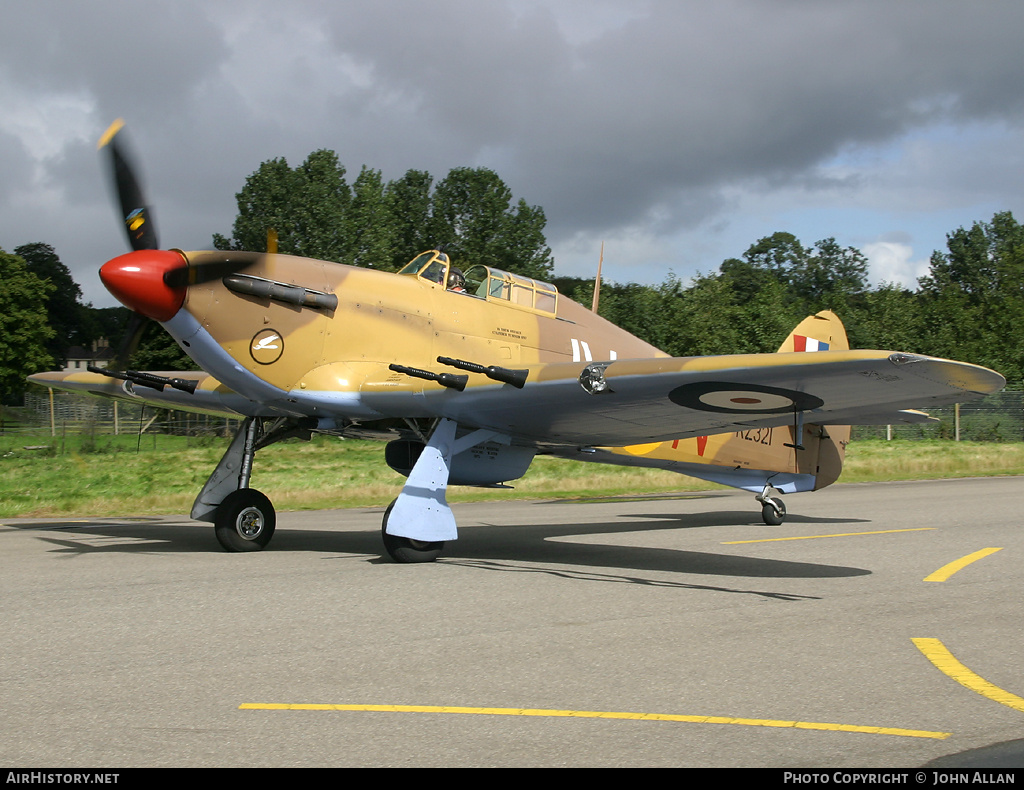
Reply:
x=243 y=518
x=418 y=523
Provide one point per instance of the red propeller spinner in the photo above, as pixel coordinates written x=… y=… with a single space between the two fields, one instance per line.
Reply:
x=137 y=280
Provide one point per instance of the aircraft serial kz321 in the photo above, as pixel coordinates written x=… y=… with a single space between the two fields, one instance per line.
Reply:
x=469 y=385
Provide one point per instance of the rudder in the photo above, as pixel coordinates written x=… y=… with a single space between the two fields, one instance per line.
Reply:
x=821 y=332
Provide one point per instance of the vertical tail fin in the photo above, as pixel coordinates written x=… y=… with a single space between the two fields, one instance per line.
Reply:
x=821 y=332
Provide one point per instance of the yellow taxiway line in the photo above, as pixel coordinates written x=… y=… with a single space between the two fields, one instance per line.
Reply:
x=946 y=571
x=589 y=714
x=837 y=535
x=944 y=661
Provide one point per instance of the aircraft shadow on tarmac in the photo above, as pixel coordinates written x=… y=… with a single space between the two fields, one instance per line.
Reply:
x=553 y=544
x=735 y=518
x=484 y=546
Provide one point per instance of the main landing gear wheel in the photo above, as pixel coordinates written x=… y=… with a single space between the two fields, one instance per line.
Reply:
x=773 y=516
x=245 y=521
x=406 y=549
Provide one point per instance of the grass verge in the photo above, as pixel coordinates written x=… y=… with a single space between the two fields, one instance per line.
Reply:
x=120 y=476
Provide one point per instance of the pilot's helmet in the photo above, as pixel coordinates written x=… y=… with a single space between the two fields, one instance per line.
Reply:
x=456 y=279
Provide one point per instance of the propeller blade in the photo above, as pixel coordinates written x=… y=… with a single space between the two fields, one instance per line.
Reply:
x=129 y=342
x=150 y=281
x=138 y=217
x=208 y=266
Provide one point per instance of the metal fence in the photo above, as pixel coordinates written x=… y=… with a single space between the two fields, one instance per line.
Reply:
x=996 y=418
x=61 y=413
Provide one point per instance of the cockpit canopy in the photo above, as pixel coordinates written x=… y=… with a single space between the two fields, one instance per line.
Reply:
x=485 y=282
x=431 y=265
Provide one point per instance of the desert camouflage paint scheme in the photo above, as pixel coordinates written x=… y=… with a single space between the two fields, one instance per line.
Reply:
x=469 y=385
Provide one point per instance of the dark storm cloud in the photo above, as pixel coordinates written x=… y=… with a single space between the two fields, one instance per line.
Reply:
x=15 y=166
x=609 y=114
x=146 y=55
x=685 y=96
x=765 y=91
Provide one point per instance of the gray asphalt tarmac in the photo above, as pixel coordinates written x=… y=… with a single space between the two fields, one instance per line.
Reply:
x=138 y=642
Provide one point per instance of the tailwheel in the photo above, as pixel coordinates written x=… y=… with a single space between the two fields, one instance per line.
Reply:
x=773 y=511
x=245 y=521
x=406 y=549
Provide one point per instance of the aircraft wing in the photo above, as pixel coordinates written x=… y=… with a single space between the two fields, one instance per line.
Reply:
x=614 y=403
x=635 y=401
x=210 y=396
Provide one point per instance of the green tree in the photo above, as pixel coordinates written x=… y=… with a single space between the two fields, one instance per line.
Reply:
x=823 y=277
x=473 y=218
x=891 y=318
x=738 y=310
x=64 y=309
x=24 y=333
x=830 y=277
x=371 y=232
x=409 y=200
x=711 y=319
x=973 y=297
x=651 y=312
x=526 y=248
x=318 y=215
x=263 y=204
x=320 y=204
x=306 y=206
x=778 y=254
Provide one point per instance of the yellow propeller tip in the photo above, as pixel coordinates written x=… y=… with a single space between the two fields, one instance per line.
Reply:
x=108 y=135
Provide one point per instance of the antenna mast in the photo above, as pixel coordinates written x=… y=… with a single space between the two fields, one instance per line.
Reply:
x=597 y=281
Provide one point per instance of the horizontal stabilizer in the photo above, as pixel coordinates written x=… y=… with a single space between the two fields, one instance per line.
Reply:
x=903 y=417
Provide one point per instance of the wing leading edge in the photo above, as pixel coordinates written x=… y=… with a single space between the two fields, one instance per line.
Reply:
x=210 y=396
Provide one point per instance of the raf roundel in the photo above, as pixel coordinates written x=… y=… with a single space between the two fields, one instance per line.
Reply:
x=732 y=398
x=266 y=346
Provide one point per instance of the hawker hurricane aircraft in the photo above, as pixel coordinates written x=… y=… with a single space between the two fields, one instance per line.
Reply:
x=469 y=375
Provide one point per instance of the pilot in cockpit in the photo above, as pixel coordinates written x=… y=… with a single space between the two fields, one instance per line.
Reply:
x=456 y=280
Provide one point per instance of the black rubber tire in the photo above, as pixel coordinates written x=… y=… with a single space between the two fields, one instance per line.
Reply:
x=407 y=550
x=770 y=516
x=245 y=521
